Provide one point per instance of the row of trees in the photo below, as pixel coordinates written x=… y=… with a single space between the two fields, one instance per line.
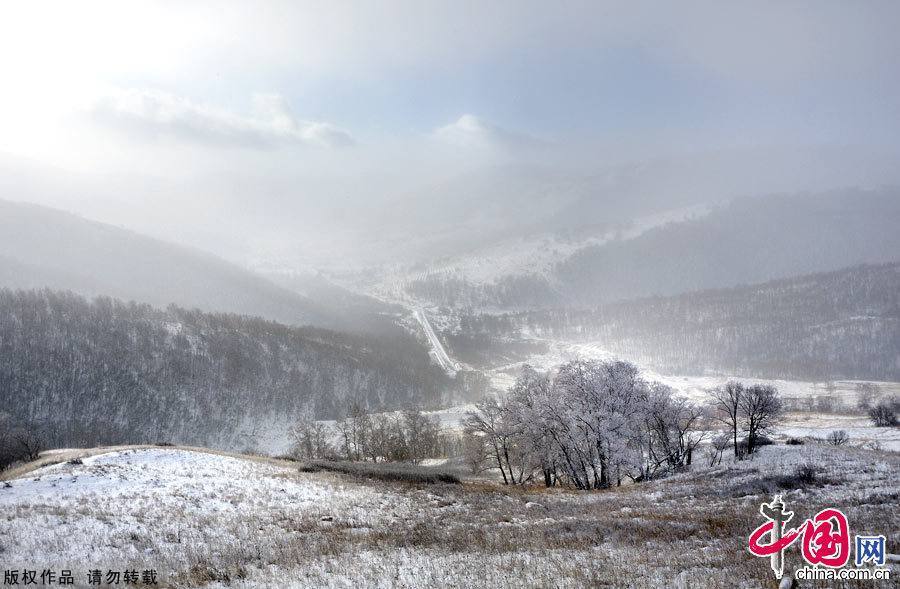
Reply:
x=591 y=424
x=403 y=436
x=866 y=395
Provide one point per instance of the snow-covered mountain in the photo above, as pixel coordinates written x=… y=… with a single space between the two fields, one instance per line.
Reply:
x=704 y=246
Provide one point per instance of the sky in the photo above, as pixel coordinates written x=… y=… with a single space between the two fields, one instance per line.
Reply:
x=232 y=116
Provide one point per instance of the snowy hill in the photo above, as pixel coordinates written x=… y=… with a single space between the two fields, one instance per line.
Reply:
x=203 y=519
x=85 y=372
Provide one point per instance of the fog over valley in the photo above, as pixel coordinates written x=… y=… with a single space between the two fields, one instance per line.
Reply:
x=405 y=294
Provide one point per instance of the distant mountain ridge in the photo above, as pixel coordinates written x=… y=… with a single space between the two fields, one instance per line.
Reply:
x=43 y=247
x=746 y=241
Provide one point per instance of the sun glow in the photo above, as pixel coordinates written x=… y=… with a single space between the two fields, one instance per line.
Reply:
x=57 y=57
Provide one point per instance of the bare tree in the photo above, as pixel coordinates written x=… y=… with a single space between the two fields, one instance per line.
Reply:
x=727 y=402
x=838 y=437
x=672 y=433
x=760 y=409
x=866 y=393
x=23 y=443
x=716 y=447
x=310 y=440
x=379 y=440
x=422 y=433
x=488 y=421
x=475 y=451
x=884 y=414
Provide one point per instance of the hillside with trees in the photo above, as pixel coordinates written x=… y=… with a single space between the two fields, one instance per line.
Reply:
x=843 y=324
x=84 y=373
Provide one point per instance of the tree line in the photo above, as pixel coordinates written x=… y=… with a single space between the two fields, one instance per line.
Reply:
x=408 y=435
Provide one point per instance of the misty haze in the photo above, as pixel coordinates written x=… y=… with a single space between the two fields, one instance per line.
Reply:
x=449 y=294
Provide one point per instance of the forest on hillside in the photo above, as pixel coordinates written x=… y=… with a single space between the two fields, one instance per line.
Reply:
x=104 y=371
x=843 y=324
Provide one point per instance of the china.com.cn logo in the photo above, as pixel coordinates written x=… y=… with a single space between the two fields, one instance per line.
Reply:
x=824 y=542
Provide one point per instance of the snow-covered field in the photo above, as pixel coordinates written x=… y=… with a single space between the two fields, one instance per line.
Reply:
x=176 y=511
x=202 y=519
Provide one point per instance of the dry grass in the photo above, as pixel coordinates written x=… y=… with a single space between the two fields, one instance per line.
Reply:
x=686 y=531
x=391 y=472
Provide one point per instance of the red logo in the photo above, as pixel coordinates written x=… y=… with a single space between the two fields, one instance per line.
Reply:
x=826 y=537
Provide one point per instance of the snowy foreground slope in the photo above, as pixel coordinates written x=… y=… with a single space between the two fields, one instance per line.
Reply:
x=202 y=519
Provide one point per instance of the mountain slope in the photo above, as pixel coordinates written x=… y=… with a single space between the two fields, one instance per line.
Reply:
x=712 y=246
x=750 y=240
x=103 y=371
x=41 y=247
x=843 y=324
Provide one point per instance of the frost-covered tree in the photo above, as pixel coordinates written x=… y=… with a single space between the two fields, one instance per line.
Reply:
x=311 y=439
x=727 y=402
x=716 y=447
x=524 y=412
x=838 y=437
x=884 y=414
x=490 y=421
x=866 y=393
x=760 y=409
x=672 y=430
x=589 y=424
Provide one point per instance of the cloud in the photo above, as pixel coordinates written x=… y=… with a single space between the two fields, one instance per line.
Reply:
x=472 y=132
x=162 y=115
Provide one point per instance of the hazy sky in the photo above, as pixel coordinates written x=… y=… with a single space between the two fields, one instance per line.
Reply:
x=226 y=104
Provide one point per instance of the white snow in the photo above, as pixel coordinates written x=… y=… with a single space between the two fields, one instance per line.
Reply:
x=203 y=519
x=146 y=507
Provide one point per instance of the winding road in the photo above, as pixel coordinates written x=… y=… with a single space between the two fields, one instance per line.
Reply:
x=437 y=348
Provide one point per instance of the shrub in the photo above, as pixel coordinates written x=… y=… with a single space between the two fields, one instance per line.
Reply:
x=19 y=444
x=287 y=458
x=838 y=437
x=759 y=443
x=794 y=442
x=884 y=414
x=409 y=473
x=806 y=474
